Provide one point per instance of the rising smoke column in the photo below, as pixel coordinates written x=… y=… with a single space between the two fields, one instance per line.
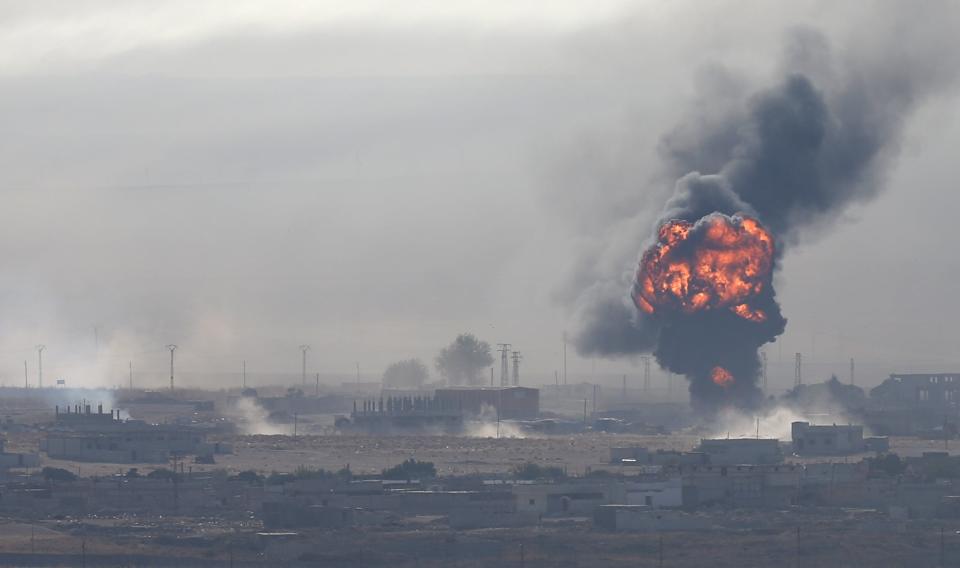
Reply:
x=793 y=156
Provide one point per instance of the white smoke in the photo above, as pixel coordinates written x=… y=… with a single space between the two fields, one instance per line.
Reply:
x=253 y=419
x=486 y=425
x=772 y=422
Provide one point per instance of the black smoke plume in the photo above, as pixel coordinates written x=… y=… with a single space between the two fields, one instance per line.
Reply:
x=792 y=156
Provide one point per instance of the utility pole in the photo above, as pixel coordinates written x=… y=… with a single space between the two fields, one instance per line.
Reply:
x=564 y=358
x=358 y=373
x=304 y=348
x=26 y=381
x=852 y=376
x=131 y=374
x=504 y=348
x=172 y=348
x=40 y=349
x=244 y=374
x=763 y=370
x=318 y=384
x=516 y=368
x=798 y=370
x=646 y=373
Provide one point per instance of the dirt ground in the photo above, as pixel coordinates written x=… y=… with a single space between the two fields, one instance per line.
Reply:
x=452 y=455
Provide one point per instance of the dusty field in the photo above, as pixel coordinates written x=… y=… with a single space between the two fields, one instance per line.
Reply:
x=452 y=455
x=369 y=454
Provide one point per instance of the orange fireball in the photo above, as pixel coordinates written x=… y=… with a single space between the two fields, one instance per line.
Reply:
x=720 y=263
x=721 y=377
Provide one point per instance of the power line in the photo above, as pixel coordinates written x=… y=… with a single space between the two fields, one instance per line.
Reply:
x=40 y=349
x=172 y=348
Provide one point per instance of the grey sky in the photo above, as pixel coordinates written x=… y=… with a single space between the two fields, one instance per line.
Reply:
x=240 y=178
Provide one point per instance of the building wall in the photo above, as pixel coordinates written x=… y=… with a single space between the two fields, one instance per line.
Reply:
x=513 y=402
x=827 y=440
x=742 y=451
x=667 y=493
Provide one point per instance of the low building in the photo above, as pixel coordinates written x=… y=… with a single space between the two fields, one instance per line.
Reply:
x=15 y=460
x=507 y=403
x=811 y=439
x=737 y=451
x=663 y=493
x=103 y=437
x=567 y=498
x=402 y=414
x=638 y=518
x=919 y=390
x=761 y=486
x=640 y=456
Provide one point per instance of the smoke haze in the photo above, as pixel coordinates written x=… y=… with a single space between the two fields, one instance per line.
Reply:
x=372 y=180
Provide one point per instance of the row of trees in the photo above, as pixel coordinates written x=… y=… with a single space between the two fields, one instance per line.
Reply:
x=460 y=363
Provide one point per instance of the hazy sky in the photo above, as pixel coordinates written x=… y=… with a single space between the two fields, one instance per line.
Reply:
x=372 y=178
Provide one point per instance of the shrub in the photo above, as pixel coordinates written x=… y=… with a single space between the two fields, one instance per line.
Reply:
x=411 y=469
x=57 y=474
x=530 y=470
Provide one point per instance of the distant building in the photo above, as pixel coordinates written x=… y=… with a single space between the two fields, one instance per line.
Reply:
x=919 y=390
x=740 y=485
x=737 y=451
x=509 y=403
x=403 y=414
x=100 y=436
x=640 y=456
x=827 y=440
x=10 y=460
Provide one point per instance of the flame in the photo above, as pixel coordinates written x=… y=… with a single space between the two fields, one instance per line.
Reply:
x=727 y=266
x=721 y=377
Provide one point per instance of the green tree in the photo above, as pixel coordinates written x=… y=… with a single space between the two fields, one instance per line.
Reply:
x=411 y=373
x=462 y=361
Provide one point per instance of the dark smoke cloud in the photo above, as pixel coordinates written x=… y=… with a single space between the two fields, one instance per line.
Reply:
x=794 y=155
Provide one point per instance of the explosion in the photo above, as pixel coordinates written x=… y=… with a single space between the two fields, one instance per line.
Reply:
x=756 y=171
x=725 y=269
x=708 y=287
x=721 y=377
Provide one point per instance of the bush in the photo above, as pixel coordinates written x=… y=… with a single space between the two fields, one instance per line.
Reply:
x=304 y=472
x=250 y=477
x=889 y=464
x=411 y=469
x=531 y=471
x=164 y=473
x=57 y=474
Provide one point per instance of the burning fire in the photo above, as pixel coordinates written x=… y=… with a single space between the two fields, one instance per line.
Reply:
x=721 y=377
x=720 y=263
